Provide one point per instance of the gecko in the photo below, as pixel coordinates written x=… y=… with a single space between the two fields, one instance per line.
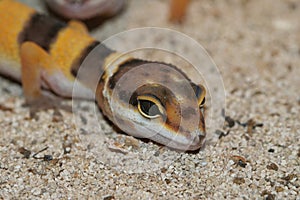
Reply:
x=43 y=53
x=87 y=9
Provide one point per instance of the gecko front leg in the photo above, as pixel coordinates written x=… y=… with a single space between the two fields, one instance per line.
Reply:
x=36 y=67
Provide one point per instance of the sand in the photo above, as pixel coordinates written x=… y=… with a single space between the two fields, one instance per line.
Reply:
x=255 y=155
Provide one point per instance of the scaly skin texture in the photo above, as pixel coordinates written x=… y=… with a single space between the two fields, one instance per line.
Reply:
x=85 y=9
x=42 y=52
x=13 y=17
x=66 y=47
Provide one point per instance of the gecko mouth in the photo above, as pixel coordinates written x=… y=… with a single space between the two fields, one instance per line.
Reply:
x=181 y=143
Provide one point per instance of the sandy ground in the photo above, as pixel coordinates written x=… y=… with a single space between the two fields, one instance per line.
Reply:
x=256 y=46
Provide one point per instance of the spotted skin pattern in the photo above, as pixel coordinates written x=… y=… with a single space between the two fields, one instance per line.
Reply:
x=44 y=53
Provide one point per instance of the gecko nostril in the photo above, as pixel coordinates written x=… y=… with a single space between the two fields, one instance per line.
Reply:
x=201 y=138
x=200 y=133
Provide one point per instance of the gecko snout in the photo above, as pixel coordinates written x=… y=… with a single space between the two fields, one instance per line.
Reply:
x=197 y=141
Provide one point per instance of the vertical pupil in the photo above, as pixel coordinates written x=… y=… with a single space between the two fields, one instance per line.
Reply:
x=203 y=102
x=149 y=108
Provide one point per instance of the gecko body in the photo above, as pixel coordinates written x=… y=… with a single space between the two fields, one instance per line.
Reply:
x=85 y=9
x=42 y=52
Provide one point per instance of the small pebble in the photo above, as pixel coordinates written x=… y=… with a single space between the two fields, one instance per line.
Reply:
x=272 y=166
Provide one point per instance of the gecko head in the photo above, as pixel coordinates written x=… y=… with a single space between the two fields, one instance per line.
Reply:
x=159 y=103
x=171 y=120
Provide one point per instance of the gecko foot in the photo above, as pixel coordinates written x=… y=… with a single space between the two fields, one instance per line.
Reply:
x=46 y=102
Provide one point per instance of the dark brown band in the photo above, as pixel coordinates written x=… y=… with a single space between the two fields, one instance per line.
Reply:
x=42 y=30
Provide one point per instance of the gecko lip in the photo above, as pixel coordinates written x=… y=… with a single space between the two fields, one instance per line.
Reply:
x=193 y=143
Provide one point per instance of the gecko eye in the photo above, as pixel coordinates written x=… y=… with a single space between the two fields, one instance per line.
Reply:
x=202 y=103
x=149 y=107
x=200 y=93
